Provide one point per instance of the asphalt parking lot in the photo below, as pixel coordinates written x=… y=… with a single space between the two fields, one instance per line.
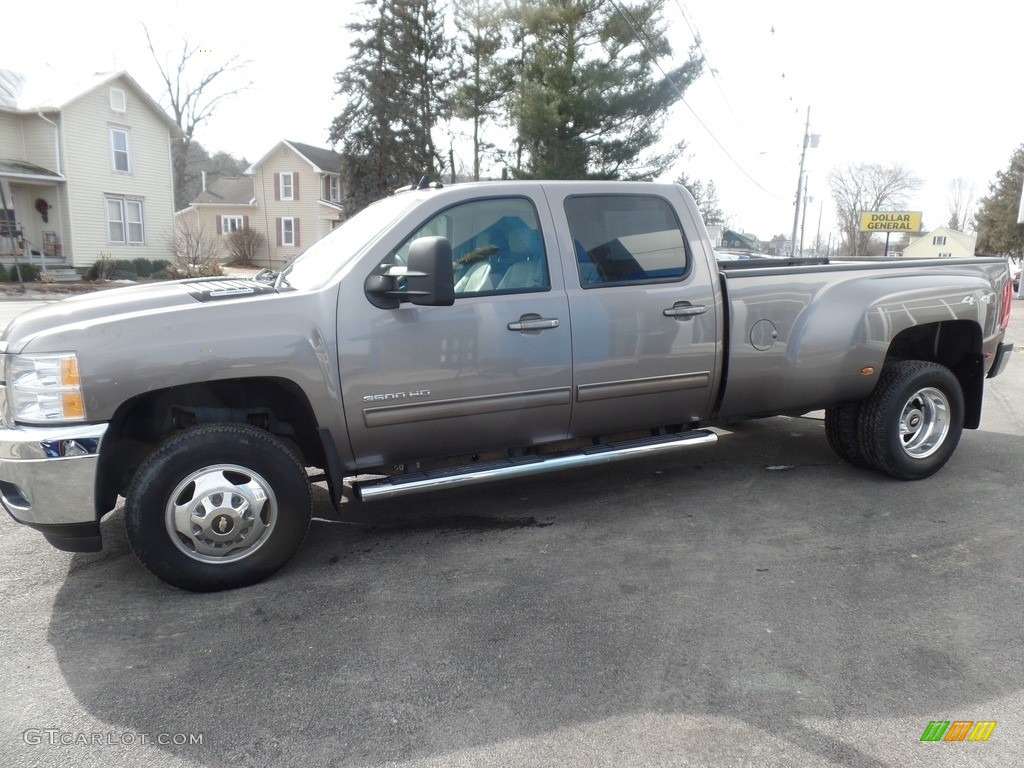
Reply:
x=757 y=603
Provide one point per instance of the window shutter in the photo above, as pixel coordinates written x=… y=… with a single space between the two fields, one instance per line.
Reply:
x=245 y=222
x=295 y=231
x=277 y=189
x=295 y=186
x=279 y=225
x=220 y=230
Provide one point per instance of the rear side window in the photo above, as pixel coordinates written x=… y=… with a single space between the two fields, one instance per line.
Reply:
x=625 y=239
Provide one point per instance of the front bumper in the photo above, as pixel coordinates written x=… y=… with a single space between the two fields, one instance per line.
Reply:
x=47 y=479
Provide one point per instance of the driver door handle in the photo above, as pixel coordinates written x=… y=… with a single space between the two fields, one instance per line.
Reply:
x=684 y=310
x=533 y=322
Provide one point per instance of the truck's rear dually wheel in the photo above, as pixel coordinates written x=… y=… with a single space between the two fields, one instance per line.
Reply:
x=842 y=424
x=217 y=507
x=912 y=422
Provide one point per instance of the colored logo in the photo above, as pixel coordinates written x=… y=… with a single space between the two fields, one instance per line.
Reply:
x=958 y=730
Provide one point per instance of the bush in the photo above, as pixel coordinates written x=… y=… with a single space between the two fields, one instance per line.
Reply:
x=29 y=273
x=146 y=267
x=245 y=245
x=143 y=267
x=118 y=269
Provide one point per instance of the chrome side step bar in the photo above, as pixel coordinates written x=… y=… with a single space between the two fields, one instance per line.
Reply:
x=520 y=466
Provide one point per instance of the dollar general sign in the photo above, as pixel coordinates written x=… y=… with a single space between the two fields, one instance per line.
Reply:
x=890 y=221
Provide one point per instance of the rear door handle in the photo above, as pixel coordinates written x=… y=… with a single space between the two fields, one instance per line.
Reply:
x=685 y=310
x=533 y=322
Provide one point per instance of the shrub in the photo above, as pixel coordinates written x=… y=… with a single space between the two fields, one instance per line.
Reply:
x=143 y=267
x=245 y=245
x=117 y=269
x=29 y=273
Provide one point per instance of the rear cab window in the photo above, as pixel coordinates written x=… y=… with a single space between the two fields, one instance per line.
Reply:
x=626 y=239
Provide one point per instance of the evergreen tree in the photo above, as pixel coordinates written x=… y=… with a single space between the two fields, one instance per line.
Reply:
x=483 y=82
x=706 y=198
x=394 y=88
x=588 y=103
x=996 y=220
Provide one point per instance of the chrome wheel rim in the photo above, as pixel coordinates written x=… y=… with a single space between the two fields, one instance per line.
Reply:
x=221 y=513
x=924 y=423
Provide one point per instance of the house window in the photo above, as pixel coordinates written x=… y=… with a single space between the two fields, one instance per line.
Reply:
x=287 y=187
x=125 y=221
x=229 y=224
x=334 y=189
x=288 y=232
x=945 y=255
x=118 y=103
x=119 y=149
x=939 y=240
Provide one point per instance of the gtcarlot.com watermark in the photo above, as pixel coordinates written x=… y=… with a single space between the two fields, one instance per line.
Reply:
x=58 y=737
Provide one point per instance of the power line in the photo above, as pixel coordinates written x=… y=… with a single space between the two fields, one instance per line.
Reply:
x=644 y=39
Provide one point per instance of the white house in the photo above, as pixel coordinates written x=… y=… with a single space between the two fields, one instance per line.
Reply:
x=85 y=170
x=941 y=243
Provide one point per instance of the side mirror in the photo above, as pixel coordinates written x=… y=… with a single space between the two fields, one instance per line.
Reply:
x=430 y=278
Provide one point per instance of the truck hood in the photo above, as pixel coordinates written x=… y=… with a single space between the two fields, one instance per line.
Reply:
x=78 y=310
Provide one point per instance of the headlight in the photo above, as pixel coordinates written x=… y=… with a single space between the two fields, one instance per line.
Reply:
x=45 y=388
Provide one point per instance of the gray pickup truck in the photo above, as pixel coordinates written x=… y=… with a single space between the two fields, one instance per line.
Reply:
x=457 y=335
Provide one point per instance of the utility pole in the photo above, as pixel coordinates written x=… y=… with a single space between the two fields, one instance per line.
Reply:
x=803 y=219
x=800 y=181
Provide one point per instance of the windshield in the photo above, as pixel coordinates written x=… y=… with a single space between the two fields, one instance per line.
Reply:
x=314 y=268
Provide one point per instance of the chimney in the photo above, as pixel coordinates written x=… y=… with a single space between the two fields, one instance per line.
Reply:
x=204 y=181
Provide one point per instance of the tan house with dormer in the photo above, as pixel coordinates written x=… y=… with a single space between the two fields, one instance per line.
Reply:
x=292 y=196
x=85 y=171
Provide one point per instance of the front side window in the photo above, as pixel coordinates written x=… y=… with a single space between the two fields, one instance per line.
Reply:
x=119 y=149
x=334 y=189
x=287 y=186
x=624 y=239
x=496 y=246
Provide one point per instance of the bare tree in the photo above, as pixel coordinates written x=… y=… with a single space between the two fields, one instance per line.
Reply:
x=245 y=246
x=196 y=253
x=868 y=187
x=960 y=204
x=191 y=100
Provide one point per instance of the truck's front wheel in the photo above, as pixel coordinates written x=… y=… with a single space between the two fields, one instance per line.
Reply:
x=912 y=422
x=218 y=507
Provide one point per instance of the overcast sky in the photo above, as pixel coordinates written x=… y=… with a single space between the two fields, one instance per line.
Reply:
x=932 y=85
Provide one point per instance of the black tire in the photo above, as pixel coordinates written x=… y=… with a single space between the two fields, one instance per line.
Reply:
x=912 y=422
x=842 y=428
x=254 y=501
